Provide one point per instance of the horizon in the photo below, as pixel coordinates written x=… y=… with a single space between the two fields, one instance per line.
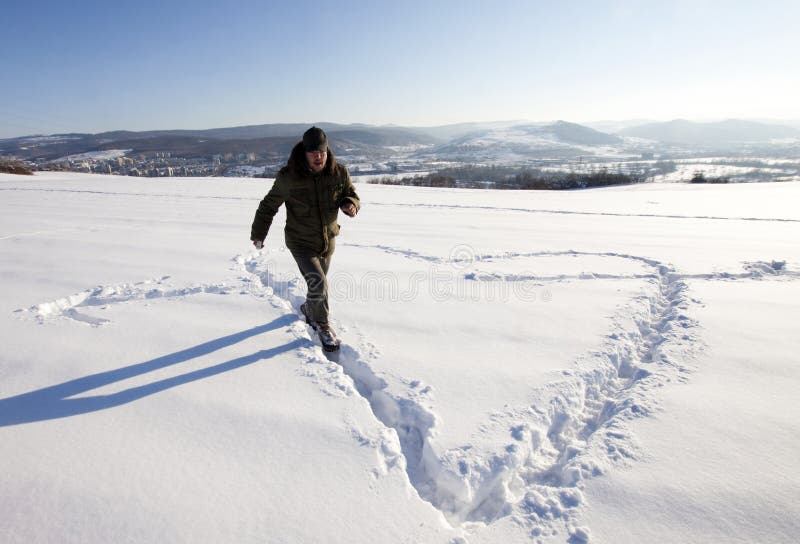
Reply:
x=90 y=68
x=789 y=123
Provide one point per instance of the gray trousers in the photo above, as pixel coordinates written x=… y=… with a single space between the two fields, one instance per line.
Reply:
x=314 y=268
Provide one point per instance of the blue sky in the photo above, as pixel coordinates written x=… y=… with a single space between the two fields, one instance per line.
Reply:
x=88 y=66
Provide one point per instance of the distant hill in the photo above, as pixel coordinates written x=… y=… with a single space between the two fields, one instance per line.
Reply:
x=723 y=132
x=525 y=141
x=249 y=132
x=615 y=126
x=380 y=136
x=581 y=135
x=266 y=140
x=195 y=147
x=445 y=133
x=493 y=142
x=44 y=148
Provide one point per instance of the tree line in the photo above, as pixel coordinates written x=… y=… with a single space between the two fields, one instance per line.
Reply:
x=509 y=177
x=12 y=166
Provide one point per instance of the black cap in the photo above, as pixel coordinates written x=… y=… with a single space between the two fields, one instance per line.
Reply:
x=314 y=139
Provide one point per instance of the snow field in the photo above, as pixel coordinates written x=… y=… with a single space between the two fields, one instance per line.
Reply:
x=510 y=373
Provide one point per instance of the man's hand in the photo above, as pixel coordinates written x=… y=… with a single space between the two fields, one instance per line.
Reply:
x=349 y=209
x=258 y=243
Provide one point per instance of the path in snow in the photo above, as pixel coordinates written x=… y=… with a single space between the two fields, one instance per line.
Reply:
x=103 y=296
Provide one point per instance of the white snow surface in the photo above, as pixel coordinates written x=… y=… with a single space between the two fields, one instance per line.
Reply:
x=504 y=145
x=614 y=365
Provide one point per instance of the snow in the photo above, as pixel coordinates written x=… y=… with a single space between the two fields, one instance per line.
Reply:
x=686 y=170
x=612 y=365
x=514 y=135
x=513 y=145
x=733 y=424
x=46 y=140
x=106 y=155
x=245 y=170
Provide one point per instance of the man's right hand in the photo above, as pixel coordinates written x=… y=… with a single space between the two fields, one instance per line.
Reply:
x=259 y=244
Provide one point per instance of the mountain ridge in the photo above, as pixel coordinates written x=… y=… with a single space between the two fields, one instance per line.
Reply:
x=491 y=141
x=682 y=131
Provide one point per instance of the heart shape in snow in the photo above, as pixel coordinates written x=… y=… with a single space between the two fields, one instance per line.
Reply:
x=570 y=380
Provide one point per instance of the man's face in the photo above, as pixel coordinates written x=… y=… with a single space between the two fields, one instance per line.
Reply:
x=316 y=160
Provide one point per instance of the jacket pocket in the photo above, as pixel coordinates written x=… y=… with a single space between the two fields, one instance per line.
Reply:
x=334 y=194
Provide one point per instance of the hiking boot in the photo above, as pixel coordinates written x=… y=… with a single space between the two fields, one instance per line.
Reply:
x=328 y=338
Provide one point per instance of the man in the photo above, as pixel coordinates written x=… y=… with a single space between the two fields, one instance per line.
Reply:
x=314 y=188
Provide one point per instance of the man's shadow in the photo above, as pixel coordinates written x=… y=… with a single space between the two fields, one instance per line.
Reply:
x=54 y=402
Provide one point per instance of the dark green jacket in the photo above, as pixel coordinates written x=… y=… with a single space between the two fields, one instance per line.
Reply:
x=312 y=207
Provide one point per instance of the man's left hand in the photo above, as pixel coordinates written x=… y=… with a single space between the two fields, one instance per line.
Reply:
x=349 y=209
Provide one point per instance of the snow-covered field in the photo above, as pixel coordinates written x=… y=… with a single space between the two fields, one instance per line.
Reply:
x=615 y=365
x=519 y=144
x=711 y=168
x=96 y=155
